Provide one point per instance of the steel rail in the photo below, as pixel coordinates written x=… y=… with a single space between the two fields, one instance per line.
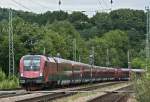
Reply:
x=12 y=95
x=48 y=96
x=53 y=96
x=116 y=96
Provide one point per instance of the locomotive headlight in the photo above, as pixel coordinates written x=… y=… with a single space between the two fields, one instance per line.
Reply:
x=21 y=74
x=41 y=74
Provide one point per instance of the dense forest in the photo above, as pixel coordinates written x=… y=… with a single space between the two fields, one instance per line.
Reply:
x=111 y=34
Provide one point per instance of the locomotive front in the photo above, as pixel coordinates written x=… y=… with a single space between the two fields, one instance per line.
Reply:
x=31 y=70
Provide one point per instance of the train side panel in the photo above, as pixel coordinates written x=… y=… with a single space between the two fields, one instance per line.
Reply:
x=50 y=71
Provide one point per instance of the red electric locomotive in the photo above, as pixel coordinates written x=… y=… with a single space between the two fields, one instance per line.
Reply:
x=39 y=70
x=31 y=70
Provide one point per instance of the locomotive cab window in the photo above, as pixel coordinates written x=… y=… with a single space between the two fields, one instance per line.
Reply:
x=32 y=63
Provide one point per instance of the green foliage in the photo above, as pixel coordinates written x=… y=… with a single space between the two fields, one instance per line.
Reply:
x=23 y=34
x=138 y=63
x=141 y=87
x=79 y=20
x=2 y=75
x=116 y=42
x=118 y=31
x=126 y=19
x=103 y=23
x=8 y=83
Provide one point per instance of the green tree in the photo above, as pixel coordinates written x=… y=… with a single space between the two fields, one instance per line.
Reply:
x=23 y=34
x=59 y=36
x=117 y=41
x=116 y=44
x=103 y=23
x=138 y=63
x=126 y=19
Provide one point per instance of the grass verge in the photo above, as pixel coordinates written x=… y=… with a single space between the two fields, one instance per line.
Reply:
x=142 y=87
x=8 y=82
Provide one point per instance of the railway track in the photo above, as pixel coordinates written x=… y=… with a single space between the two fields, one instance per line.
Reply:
x=120 y=95
x=11 y=93
x=42 y=96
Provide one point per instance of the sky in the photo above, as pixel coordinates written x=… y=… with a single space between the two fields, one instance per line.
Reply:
x=90 y=6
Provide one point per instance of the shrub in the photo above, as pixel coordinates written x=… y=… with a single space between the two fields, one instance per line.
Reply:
x=2 y=75
x=8 y=82
x=142 y=88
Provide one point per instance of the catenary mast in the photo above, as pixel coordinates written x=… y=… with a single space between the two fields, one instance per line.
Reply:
x=11 y=46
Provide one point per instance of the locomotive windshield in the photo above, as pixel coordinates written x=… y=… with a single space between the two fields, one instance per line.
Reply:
x=32 y=63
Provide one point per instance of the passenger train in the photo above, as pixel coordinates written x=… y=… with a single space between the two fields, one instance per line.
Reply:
x=41 y=71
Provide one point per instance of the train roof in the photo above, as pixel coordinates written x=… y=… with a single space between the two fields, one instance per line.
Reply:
x=74 y=63
x=100 y=67
x=125 y=69
x=138 y=70
x=32 y=56
x=134 y=70
x=51 y=59
x=60 y=60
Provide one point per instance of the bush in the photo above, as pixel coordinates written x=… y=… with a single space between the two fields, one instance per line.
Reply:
x=142 y=88
x=2 y=75
x=8 y=83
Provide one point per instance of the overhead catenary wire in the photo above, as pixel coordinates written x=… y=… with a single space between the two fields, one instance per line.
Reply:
x=18 y=3
x=100 y=4
x=10 y=3
x=39 y=4
x=86 y=10
x=105 y=3
x=59 y=3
